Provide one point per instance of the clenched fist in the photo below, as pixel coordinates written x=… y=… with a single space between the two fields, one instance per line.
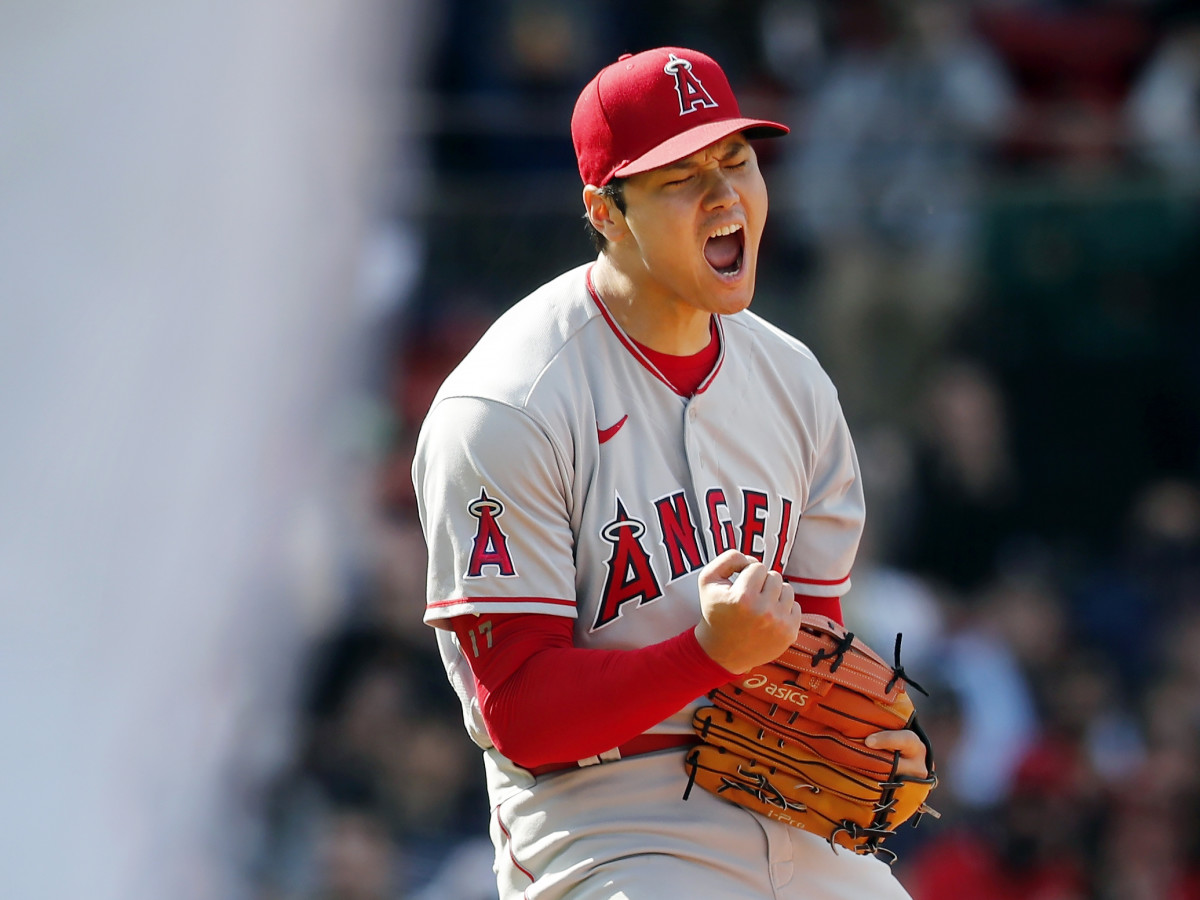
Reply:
x=748 y=613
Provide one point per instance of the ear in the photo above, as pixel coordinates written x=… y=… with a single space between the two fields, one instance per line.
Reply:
x=603 y=214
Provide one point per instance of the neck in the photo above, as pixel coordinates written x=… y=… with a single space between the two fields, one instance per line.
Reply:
x=673 y=328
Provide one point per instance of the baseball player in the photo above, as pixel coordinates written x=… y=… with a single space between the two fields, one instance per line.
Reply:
x=630 y=488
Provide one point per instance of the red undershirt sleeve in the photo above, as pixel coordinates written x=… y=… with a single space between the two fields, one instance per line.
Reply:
x=830 y=607
x=545 y=700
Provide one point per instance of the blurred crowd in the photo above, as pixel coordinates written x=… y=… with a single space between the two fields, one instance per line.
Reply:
x=984 y=224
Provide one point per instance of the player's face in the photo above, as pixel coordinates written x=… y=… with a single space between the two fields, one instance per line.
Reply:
x=696 y=226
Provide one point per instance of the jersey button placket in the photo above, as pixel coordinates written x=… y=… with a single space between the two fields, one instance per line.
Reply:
x=695 y=454
x=697 y=469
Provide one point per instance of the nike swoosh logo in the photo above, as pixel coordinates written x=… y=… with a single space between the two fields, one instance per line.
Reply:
x=606 y=434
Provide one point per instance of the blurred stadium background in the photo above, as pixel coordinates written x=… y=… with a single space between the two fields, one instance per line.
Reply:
x=242 y=242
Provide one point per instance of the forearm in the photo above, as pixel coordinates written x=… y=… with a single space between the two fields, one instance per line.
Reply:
x=544 y=700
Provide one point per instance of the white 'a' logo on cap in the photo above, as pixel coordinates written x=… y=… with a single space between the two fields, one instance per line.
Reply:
x=692 y=95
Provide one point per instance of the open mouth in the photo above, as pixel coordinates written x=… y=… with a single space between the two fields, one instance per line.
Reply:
x=725 y=249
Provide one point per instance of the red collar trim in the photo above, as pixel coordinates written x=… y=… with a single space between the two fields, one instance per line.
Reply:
x=641 y=357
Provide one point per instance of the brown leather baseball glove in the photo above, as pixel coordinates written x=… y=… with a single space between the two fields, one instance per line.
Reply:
x=786 y=739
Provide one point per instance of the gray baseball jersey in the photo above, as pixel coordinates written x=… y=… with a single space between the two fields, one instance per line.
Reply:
x=558 y=472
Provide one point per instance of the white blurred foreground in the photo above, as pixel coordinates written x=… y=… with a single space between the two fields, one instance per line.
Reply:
x=184 y=190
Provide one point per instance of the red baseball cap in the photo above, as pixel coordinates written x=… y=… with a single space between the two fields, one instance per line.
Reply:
x=653 y=108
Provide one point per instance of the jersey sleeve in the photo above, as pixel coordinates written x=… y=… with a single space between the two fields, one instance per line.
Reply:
x=492 y=492
x=831 y=523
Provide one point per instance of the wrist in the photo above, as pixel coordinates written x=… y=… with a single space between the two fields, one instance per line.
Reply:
x=709 y=644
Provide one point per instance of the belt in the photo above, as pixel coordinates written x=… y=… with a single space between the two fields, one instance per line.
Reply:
x=643 y=743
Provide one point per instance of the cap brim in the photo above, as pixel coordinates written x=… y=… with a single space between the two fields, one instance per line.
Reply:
x=696 y=139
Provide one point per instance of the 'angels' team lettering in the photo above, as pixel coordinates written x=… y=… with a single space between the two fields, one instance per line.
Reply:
x=630 y=572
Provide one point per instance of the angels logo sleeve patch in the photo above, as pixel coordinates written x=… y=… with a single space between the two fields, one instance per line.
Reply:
x=489 y=492
x=490 y=547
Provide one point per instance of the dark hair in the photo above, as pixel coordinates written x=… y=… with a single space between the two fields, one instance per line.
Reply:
x=615 y=192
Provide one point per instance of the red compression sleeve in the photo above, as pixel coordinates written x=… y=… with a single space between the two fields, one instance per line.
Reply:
x=830 y=607
x=545 y=700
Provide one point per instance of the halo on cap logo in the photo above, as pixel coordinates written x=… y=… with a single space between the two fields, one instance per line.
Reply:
x=689 y=88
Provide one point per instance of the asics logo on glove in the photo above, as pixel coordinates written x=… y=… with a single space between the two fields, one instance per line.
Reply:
x=784 y=692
